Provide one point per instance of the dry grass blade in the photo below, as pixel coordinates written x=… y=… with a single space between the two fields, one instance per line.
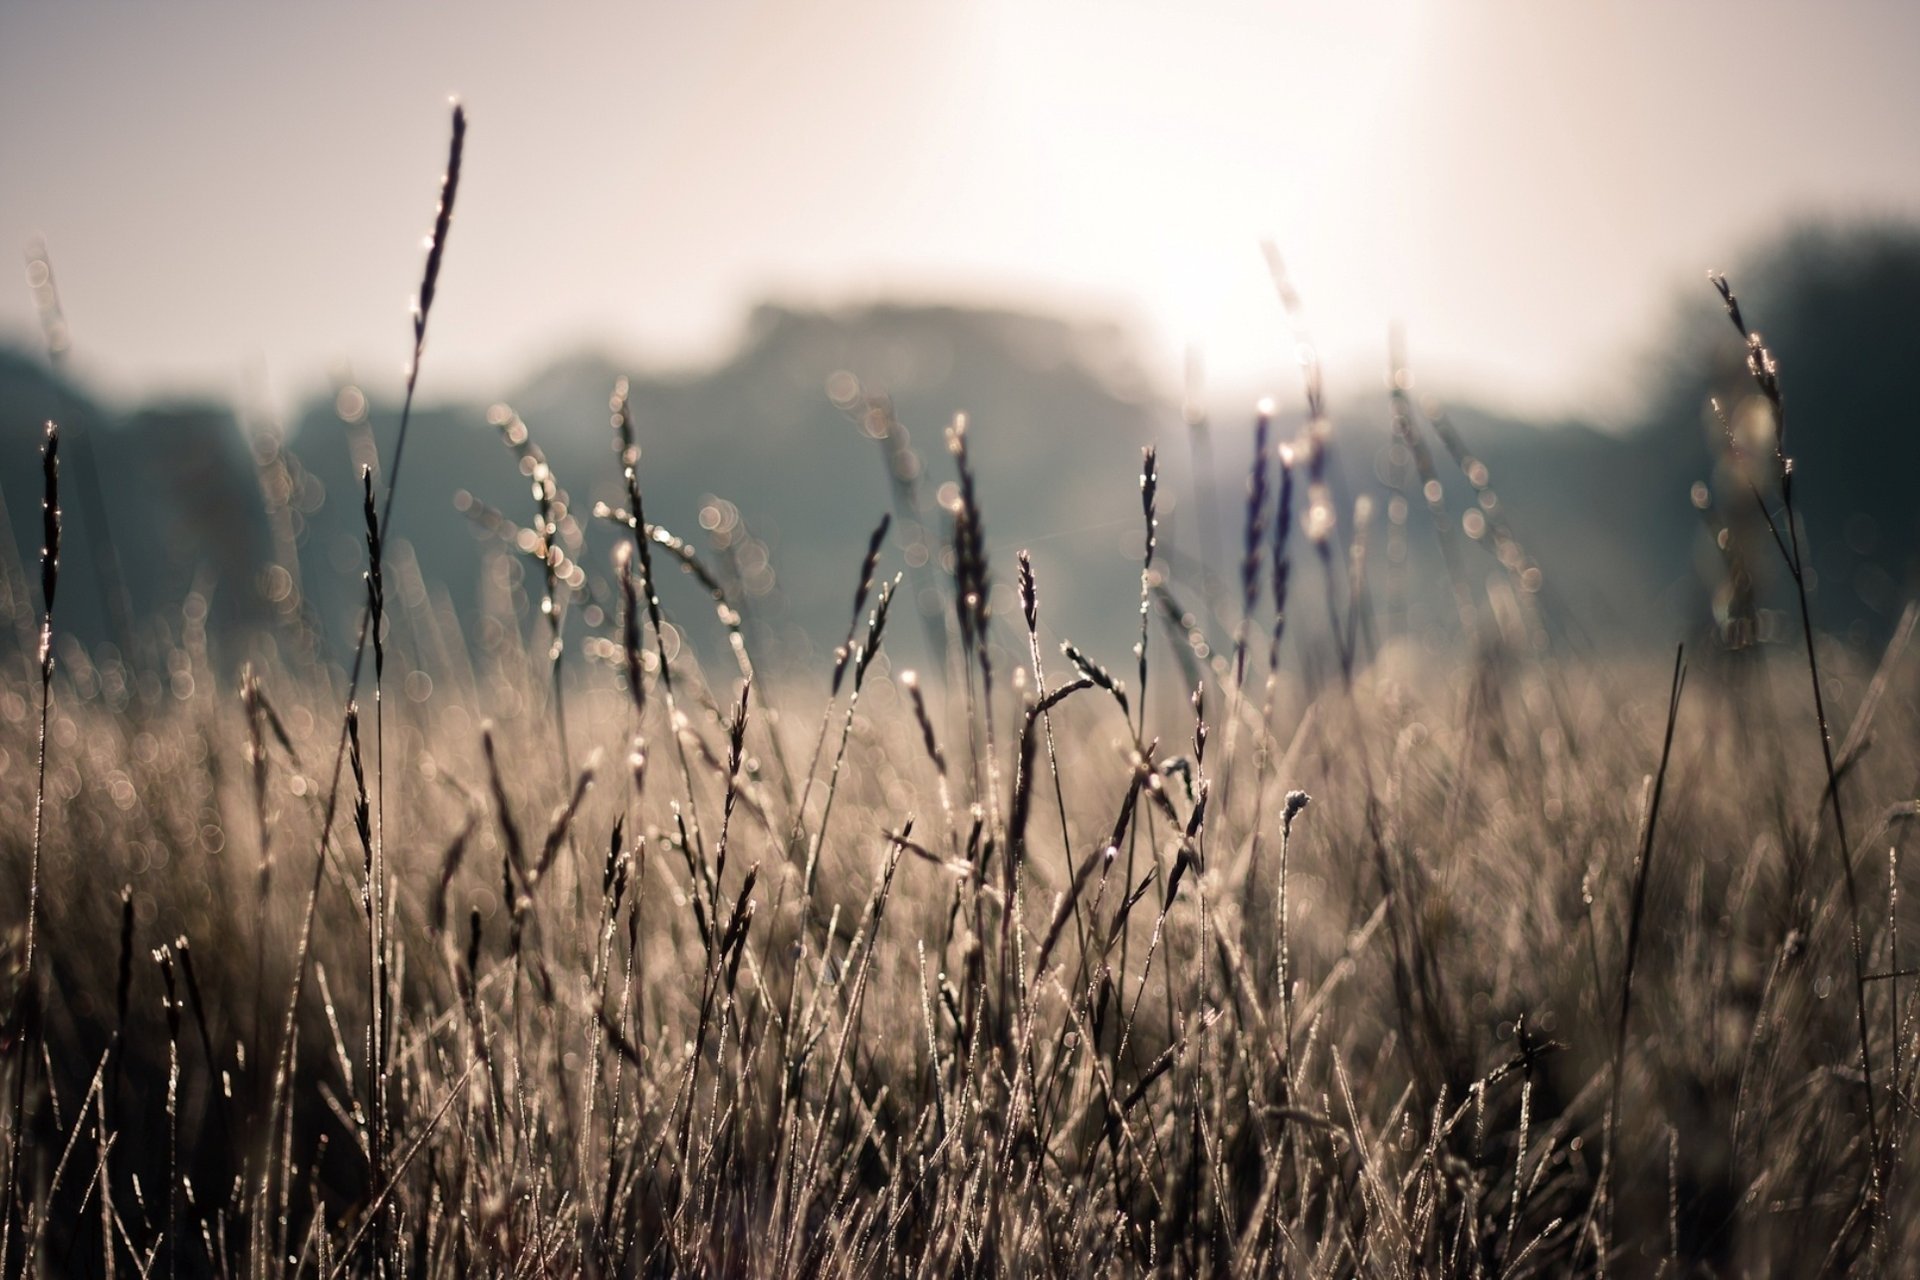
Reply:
x=27 y=1035
x=1765 y=371
x=1636 y=915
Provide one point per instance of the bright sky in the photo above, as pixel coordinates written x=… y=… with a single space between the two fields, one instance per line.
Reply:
x=233 y=191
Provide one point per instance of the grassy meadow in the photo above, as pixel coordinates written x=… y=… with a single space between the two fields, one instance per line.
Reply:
x=524 y=945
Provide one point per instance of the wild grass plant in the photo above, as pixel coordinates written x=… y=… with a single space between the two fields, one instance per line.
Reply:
x=1333 y=959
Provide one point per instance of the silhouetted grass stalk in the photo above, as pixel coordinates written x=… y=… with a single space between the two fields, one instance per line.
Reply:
x=641 y=533
x=1764 y=370
x=1636 y=915
x=277 y=1120
x=28 y=1046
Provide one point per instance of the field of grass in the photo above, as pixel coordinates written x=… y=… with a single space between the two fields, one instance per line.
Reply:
x=1287 y=949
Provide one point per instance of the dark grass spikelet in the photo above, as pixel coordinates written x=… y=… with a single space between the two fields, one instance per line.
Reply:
x=442 y=222
x=613 y=876
x=698 y=880
x=122 y=990
x=49 y=540
x=636 y=515
x=194 y=993
x=682 y=551
x=513 y=852
x=736 y=757
x=737 y=731
x=868 y=564
x=966 y=594
x=253 y=708
x=1160 y=1065
x=1254 y=537
x=123 y=986
x=691 y=564
x=1197 y=818
x=551 y=519
x=362 y=808
x=1092 y=671
x=910 y=681
x=1096 y=675
x=736 y=930
x=555 y=530
x=1149 y=510
x=274 y=724
x=1041 y=708
x=630 y=641
x=376 y=586
x=456 y=853
x=423 y=304
x=1181 y=862
x=1149 y=498
x=876 y=628
x=739 y=949
x=562 y=823
x=1297 y=801
x=1029 y=595
x=971 y=574
x=472 y=968
x=1036 y=715
x=1118 y=926
x=1201 y=730
x=1763 y=367
x=163 y=956
x=1022 y=801
x=1282 y=563
x=868 y=651
x=1065 y=909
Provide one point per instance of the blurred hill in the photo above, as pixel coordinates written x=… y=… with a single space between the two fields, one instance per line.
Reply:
x=174 y=484
x=768 y=463
x=756 y=453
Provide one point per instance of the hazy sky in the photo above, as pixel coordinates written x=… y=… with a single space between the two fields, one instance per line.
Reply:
x=237 y=191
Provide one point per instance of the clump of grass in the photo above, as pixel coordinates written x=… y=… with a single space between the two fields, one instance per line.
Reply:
x=1485 y=1026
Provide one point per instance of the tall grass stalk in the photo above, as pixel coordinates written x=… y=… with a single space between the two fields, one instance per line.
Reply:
x=1765 y=372
x=642 y=535
x=278 y=1123
x=30 y=1029
x=1636 y=917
